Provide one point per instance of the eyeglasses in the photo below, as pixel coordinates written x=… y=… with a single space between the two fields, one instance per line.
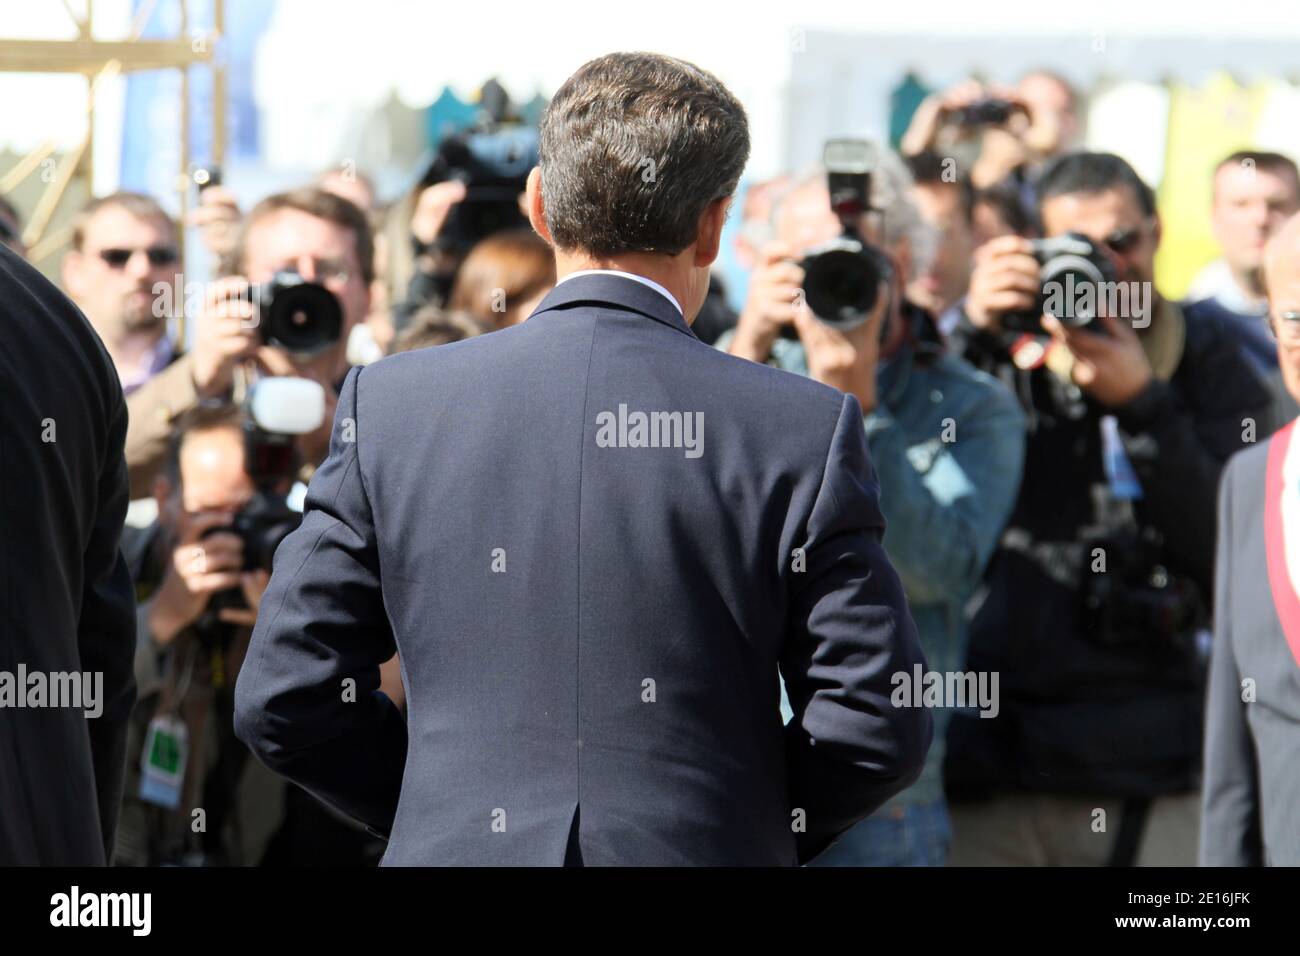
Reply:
x=158 y=256
x=1122 y=241
x=324 y=270
x=1285 y=327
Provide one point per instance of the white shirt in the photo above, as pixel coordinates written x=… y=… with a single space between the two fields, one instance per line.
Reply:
x=627 y=275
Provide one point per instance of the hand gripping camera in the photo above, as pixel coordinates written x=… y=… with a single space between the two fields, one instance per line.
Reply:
x=1073 y=275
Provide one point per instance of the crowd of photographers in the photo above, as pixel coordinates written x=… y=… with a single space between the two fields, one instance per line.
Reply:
x=1049 y=484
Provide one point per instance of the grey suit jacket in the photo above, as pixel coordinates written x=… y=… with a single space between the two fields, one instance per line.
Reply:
x=589 y=627
x=1252 y=746
x=66 y=603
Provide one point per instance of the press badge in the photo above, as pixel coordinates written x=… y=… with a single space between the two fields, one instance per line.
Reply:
x=162 y=767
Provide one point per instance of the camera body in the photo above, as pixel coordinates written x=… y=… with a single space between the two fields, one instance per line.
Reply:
x=843 y=277
x=1072 y=273
x=493 y=162
x=302 y=317
x=1138 y=600
x=986 y=112
x=261 y=525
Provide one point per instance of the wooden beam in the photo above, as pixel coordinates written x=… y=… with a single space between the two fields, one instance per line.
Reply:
x=89 y=56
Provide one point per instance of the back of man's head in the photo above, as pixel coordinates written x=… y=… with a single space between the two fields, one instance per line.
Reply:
x=633 y=148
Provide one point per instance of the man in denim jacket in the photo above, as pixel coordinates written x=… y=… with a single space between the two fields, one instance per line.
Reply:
x=947 y=444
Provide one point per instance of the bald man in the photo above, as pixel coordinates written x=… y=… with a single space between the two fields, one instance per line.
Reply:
x=1252 y=744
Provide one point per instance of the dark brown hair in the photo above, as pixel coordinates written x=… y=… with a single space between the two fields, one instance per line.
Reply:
x=633 y=148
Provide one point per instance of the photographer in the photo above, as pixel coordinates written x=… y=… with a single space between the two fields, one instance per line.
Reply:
x=946 y=443
x=189 y=647
x=309 y=233
x=1096 y=602
x=1004 y=136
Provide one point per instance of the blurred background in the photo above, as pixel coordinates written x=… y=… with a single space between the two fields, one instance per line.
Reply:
x=104 y=95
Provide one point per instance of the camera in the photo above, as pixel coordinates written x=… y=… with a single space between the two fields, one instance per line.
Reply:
x=493 y=163
x=493 y=159
x=302 y=317
x=1072 y=273
x=986 y=112
x=1139 y=600
x=276 y=412
x=843 y=277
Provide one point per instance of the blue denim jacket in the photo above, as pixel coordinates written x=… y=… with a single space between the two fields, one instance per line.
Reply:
x=945 y=501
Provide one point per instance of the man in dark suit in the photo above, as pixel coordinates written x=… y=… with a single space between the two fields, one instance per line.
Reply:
x=67 y=613
x=592 y=539
x=1252 y=735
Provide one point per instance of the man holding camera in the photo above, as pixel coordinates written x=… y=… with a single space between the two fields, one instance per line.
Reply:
x=308 y=233
x=196 y=606
x=1095 y=611
x=946 y=441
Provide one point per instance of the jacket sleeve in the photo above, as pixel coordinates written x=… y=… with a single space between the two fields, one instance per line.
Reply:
x=963 y=500
x=1230 y=827
x=307 y=700
x=154 y=408
x=848 y=748
x=106 y=629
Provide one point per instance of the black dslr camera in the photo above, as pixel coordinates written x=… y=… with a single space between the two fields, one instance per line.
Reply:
x=1073 y=273
x=843 y=278
x=299 y=316
x=986 y=112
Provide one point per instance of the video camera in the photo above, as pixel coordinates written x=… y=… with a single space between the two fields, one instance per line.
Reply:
x=1072 y=270
x=843 y=277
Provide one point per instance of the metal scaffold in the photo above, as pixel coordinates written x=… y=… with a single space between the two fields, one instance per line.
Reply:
x=99 y=61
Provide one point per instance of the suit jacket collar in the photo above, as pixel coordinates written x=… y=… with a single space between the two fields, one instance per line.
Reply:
x=617 y=292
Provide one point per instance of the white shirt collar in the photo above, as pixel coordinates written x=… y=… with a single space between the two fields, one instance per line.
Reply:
x=628 y=275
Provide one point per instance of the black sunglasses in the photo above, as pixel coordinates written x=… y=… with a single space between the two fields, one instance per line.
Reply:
x=1122 y=240
x=158 y=256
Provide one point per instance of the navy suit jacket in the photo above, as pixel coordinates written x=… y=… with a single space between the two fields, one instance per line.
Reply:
x=589 y=631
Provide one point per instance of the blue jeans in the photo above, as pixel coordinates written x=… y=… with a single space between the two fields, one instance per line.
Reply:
x=917 y=834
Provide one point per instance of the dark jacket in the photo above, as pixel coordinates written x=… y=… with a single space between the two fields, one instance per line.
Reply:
x=65 y=596
x=589 y=635
x=1088 y=707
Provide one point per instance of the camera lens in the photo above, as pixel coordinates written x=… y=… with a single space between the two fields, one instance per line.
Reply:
x=841 y=285
x=1071 y=290
x=299 y=316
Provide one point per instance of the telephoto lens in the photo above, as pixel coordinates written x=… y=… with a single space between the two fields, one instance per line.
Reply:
x=842 y=281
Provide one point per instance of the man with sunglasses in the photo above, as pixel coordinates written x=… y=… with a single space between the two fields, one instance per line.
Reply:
x=123 y=246
x=122 y=268
x=1095 y=611
x=324 y=238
